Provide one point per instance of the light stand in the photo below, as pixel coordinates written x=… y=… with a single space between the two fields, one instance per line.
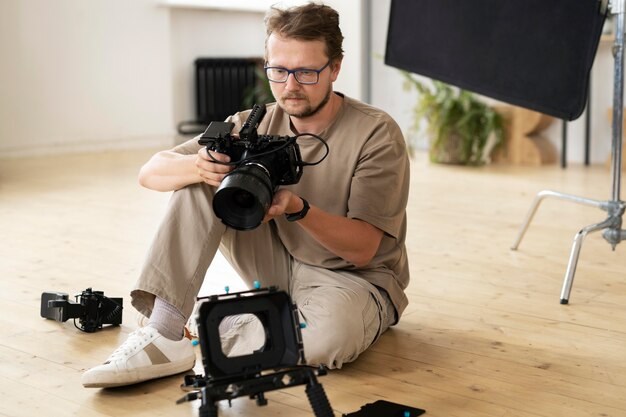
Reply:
x=615 y=207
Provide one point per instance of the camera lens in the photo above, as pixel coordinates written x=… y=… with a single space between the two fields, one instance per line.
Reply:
x=243 y=199
x=244 y=196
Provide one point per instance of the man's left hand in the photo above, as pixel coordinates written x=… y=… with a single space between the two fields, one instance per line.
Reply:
x=284 y=201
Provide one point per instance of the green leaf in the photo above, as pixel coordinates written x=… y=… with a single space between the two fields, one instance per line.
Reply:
x=452 y=111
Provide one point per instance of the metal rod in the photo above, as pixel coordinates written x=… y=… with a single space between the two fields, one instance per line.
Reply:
x=573 y=259
x=617 y=7
x=564 y=144
x=548 y=193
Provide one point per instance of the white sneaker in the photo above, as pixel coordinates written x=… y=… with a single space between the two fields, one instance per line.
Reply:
x=143 y=356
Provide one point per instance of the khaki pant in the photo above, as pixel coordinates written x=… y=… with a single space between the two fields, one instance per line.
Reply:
x=344 y=314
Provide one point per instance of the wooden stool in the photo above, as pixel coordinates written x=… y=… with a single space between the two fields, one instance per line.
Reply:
x=524 y=144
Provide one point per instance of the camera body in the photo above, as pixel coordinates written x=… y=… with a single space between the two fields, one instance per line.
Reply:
x=262 y=163
x=92 y=308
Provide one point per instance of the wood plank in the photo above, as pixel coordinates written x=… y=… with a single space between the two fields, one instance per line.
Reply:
x=483 y=335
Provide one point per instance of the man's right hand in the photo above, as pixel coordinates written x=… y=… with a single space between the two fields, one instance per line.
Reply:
x=212 y=173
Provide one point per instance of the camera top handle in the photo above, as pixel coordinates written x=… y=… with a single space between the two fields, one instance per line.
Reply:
x=249 y=129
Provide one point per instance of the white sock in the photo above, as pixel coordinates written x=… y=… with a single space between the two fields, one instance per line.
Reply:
x=166 y=318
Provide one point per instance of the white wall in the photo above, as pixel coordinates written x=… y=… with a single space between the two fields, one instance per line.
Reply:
x=80 y=75
x=386 y=86
x=208 y=33
x=77 y=74
x=204 y=32
x=106 y=74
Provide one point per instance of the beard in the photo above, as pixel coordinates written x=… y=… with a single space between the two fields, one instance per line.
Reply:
x=308 y=109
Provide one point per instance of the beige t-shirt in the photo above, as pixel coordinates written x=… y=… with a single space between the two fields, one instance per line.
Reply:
x=365 y=176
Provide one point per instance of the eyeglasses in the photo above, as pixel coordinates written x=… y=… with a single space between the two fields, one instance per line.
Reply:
x=303 y=75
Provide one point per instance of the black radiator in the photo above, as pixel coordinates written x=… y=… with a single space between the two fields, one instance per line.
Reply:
x=221 y=86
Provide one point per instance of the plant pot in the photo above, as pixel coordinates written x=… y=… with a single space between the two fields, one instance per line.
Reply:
x=448 y=151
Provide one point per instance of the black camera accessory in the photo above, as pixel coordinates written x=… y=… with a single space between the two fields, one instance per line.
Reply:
x=292 y=217
x=275 y=365
x=93 y=310
x=279 y=317
x=382 y=408
x=262 y=163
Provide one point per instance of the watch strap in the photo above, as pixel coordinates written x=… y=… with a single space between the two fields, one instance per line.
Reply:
x=292 y=217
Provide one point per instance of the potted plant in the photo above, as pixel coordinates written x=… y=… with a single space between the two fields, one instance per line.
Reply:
x=462 y=129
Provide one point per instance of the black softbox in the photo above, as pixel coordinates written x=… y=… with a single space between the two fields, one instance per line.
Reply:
x=532 y=53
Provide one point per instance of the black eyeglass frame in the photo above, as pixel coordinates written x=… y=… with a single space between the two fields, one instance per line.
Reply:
x=295 y=73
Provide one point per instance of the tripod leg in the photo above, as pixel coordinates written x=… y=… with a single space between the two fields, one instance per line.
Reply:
x=573 y=258
x=317 y=398
x=207 y=410
x=548 y=193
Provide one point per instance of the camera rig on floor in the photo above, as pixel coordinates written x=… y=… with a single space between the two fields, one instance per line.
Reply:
x=278 y=364
x=211 y=392
x=92 y=309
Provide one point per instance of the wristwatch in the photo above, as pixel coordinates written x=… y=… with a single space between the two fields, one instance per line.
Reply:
x=292 y=217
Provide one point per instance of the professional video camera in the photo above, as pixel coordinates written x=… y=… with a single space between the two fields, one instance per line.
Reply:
x=263 y=162
x=92 y=311
x=277 y=364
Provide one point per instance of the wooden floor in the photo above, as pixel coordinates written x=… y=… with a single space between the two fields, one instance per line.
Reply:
x=484 y=334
